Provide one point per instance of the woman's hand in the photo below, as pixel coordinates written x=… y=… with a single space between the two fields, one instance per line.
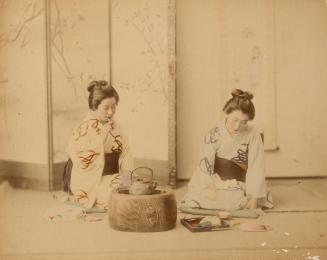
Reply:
x=252 y=204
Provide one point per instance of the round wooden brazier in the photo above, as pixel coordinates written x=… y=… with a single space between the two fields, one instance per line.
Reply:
x=143 y=213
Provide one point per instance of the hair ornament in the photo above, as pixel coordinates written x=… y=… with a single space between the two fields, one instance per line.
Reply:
x=242 y=94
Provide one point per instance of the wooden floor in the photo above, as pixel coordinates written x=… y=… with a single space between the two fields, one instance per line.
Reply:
x=299 y=223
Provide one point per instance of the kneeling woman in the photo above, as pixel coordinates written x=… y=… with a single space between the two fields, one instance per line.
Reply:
x=97 y=149
x=230 y=174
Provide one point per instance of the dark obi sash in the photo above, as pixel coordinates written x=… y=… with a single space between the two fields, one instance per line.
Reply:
x=110 y=167
x=228 y=170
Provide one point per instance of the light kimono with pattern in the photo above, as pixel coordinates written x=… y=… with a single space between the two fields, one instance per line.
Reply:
x=207 y=189
x=90 y=141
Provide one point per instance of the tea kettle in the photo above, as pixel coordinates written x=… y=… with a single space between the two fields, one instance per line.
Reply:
x=142 y=187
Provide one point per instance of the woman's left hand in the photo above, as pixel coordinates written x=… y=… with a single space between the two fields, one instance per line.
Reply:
x=252 y=204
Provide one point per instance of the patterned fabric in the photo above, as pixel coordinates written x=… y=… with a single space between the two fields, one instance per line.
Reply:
x=90 y=141
x=110 y=167
x=230 y=171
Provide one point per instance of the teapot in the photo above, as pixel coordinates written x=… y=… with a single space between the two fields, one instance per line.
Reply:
x=142 y=187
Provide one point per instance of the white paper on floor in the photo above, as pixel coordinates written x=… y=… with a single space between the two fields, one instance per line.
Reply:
x=64 y=213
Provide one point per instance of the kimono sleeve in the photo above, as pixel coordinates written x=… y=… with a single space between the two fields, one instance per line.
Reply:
x=85 y=147
x=126 y=161
x=205 y=165
x=255 y=176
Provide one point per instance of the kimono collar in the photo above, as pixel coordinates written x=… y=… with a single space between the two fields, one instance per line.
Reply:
x=90 y=116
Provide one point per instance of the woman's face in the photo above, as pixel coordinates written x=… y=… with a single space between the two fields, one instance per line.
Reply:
x=235 y=121
x=106 y=109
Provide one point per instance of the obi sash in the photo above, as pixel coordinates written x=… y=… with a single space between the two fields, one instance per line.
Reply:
x=228 y=170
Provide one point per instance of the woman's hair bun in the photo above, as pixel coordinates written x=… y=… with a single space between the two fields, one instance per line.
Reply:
x=100 y=83
x=237 y=92
x=242 y=94
x=92 y=85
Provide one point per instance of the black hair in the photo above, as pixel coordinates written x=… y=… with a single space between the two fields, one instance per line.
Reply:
x=241 y=100
x=100 y=90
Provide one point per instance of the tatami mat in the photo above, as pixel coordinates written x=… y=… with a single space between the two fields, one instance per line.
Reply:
x=26 y=235
x=298 y=194
x=307 y=194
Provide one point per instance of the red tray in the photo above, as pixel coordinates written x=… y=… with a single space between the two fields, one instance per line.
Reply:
x=192 y=224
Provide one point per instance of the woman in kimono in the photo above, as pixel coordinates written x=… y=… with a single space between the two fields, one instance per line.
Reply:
x=97 y=150
x=230 y=174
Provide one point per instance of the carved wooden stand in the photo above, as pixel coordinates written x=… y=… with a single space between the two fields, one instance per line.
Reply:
x=143 y=213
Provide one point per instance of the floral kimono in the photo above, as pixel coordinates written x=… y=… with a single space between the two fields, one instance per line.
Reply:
x=89 y=146
x=230 y=171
